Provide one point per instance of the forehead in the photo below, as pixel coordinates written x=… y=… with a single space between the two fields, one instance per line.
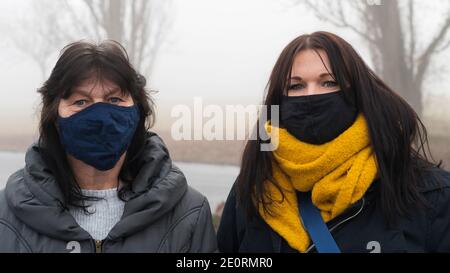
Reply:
x=310 y=63
x=95 y=86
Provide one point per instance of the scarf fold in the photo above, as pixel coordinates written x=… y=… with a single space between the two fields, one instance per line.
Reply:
x=337 y=173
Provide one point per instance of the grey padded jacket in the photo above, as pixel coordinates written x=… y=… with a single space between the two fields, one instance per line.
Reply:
x=162 y=213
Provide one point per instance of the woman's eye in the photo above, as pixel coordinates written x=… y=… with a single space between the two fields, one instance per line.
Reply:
x=115 y=100
x=80 y=103
x=296 y=86
x=329 y=84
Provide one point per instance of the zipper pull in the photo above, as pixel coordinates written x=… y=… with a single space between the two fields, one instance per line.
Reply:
x=98 y=246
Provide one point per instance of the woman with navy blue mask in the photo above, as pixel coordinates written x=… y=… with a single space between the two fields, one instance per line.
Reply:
x=98 y=180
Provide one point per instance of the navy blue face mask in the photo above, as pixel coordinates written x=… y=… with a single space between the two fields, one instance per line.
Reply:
x=99 y=134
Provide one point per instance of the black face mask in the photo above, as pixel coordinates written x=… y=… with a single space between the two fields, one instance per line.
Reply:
x=317 y=119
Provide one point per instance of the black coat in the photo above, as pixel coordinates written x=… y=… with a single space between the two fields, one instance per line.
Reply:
x=361 y=228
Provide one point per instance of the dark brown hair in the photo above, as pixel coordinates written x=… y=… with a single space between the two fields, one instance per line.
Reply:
x=398 y=136
x=80 y=61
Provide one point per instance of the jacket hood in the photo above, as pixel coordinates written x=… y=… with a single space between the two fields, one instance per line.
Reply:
x=35 y=198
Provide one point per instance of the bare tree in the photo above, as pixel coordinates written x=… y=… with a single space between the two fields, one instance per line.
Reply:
x=38 y=38
x=140 y=25
x=393 y=42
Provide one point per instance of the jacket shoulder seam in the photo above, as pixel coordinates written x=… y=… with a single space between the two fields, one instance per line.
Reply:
x=19 y=236
x=201 y=207
x=179 y=220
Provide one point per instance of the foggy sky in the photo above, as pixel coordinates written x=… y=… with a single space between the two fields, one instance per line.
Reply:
x=222 y=51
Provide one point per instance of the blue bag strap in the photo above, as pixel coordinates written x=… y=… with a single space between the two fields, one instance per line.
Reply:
x=314 y=224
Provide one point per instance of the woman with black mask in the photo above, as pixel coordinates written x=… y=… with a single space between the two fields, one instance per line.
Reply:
x=98 y=180
x=351 y=172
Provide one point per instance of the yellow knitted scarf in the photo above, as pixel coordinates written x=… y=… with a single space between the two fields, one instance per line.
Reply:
x=337 y=173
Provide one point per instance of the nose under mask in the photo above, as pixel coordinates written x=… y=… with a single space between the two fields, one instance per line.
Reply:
x=99 y=134
x=317 y=119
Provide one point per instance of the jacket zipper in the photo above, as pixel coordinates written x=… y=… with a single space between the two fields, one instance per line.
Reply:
x=341 y=222
x=98 y=246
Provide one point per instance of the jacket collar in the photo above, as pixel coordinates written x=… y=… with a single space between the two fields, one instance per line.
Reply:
x=35 y=198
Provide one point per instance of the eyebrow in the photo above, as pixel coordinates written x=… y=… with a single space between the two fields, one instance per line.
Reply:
x=323 y=75
x=109 y=92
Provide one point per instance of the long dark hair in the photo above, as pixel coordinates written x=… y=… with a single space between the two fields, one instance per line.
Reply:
x=398 y=136
x=80 y=61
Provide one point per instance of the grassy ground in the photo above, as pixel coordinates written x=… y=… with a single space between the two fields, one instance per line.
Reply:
x=214 y=152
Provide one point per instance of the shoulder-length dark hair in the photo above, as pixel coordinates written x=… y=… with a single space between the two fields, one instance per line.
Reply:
x=398 y=137
x=80 y=61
